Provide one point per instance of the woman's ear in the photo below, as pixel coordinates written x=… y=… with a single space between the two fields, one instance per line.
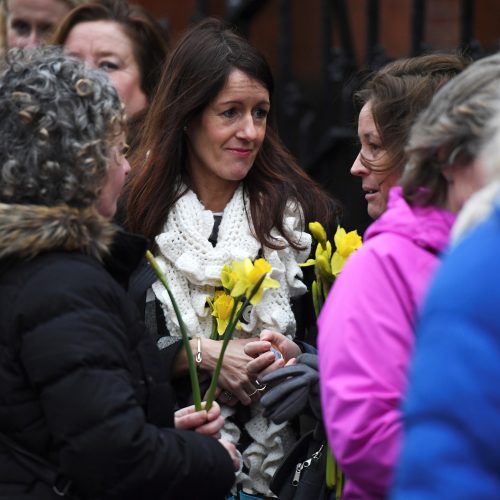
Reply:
x=447 y=173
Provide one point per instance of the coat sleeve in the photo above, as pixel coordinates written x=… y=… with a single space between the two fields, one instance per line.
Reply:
x=77 y=355
x=365 y=339
x=451 y=415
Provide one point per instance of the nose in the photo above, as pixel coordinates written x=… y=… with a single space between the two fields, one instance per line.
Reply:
x=35 y=39
x=358 y=169
x=247 y=131
x=126 y=166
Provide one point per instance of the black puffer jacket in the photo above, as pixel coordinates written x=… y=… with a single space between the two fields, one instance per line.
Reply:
x=80 y=384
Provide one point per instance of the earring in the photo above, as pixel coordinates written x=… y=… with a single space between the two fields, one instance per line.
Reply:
x=185 y=128
x=447 y=174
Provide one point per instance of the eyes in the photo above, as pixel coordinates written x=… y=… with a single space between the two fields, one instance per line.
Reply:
x=23 y=28
x=258 y=113
x=107 y=65
x=120 y=152
x=371 y=149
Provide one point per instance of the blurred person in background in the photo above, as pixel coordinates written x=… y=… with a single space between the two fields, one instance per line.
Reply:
x=30 y=23
x=451 y=413
x=127 y=43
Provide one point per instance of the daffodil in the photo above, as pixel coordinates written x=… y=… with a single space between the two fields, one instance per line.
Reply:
x=319 y=233
x=222 y=307
x=246 y=281
x=328 y=266
x=228 y=277
x=248 y=274
x=345 y=244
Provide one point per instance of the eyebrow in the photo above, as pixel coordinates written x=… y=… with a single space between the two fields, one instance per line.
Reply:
x=238 y=101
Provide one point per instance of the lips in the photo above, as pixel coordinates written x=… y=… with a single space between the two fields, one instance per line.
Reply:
x=241 y=152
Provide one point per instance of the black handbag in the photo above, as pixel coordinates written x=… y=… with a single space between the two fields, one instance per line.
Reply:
x=302 y=474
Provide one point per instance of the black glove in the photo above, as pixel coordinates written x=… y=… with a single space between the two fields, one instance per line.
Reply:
x=297 y=390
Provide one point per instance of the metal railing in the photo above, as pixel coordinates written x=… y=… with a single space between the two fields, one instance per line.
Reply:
x=319 y=129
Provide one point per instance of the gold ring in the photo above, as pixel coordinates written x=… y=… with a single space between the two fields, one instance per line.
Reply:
x=227 y=394
x=253 y=393
x=259 y=385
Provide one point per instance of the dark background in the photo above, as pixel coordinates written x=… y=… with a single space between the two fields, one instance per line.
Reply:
x=319 y=51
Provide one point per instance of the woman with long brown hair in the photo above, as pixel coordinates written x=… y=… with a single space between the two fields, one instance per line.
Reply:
x=212 y=183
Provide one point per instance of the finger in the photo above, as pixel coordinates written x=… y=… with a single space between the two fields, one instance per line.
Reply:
x=227 y=398
x=256 y=348
x=192 y=420
x=184 y=411
x=214 y=412
x=257 y=365
x=242 y=394
x=211 y=428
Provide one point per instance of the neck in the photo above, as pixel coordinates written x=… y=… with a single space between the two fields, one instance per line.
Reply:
x=215 y=196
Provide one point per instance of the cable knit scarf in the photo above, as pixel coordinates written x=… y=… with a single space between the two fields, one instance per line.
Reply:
x=192 y=267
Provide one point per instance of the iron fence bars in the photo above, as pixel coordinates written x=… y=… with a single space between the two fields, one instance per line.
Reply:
x=418 y=45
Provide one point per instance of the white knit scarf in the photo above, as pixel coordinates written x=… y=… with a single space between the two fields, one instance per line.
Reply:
x=192 y=267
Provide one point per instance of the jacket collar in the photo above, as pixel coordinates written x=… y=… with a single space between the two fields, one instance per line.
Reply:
x=28 y=230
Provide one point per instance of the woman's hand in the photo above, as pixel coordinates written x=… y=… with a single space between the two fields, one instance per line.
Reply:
x=234 y=383
x=208 y=423
x=233 y=453
x=265 y=360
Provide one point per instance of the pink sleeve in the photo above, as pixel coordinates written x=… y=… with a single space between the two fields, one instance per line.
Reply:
x=365 y=341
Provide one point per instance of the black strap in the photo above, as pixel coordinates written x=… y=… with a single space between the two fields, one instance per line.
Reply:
x=38 y=466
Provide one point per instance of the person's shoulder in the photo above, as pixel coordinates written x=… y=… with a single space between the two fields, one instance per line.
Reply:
x=60 y=273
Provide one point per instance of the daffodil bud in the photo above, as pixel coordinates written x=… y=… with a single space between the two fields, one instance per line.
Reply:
x=319 y=233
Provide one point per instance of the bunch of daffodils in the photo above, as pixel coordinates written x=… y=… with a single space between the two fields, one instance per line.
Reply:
x=243 y=283
x=328 y=264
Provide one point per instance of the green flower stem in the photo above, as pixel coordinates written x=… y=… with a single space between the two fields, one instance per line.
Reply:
x=193 y=374
x=231 y=317
x=227 y=337
x=213 y=333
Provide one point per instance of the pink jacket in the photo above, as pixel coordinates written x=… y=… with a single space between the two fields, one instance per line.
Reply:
x=366 y=339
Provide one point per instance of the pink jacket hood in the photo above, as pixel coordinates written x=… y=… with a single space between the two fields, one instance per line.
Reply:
x=427 y=227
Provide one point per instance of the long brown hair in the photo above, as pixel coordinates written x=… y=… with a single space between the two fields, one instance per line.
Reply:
x=195 y=73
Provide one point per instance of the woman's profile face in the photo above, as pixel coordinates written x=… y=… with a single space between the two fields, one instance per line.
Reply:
x=104 y=45
x=118 y=170
x=377 y=182
x=225 y=138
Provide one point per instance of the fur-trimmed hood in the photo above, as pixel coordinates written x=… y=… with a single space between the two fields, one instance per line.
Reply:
x=28 y=230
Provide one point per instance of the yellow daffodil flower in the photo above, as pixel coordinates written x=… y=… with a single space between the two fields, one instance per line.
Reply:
x=248 y=274
x=346 y=244
x=222 y=306
x=228 y=277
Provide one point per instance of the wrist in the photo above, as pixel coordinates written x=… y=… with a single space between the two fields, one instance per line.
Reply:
x=211 y=350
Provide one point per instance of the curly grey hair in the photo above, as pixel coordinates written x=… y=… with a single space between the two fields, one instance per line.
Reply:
x=451 y=130
x=60 y=121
